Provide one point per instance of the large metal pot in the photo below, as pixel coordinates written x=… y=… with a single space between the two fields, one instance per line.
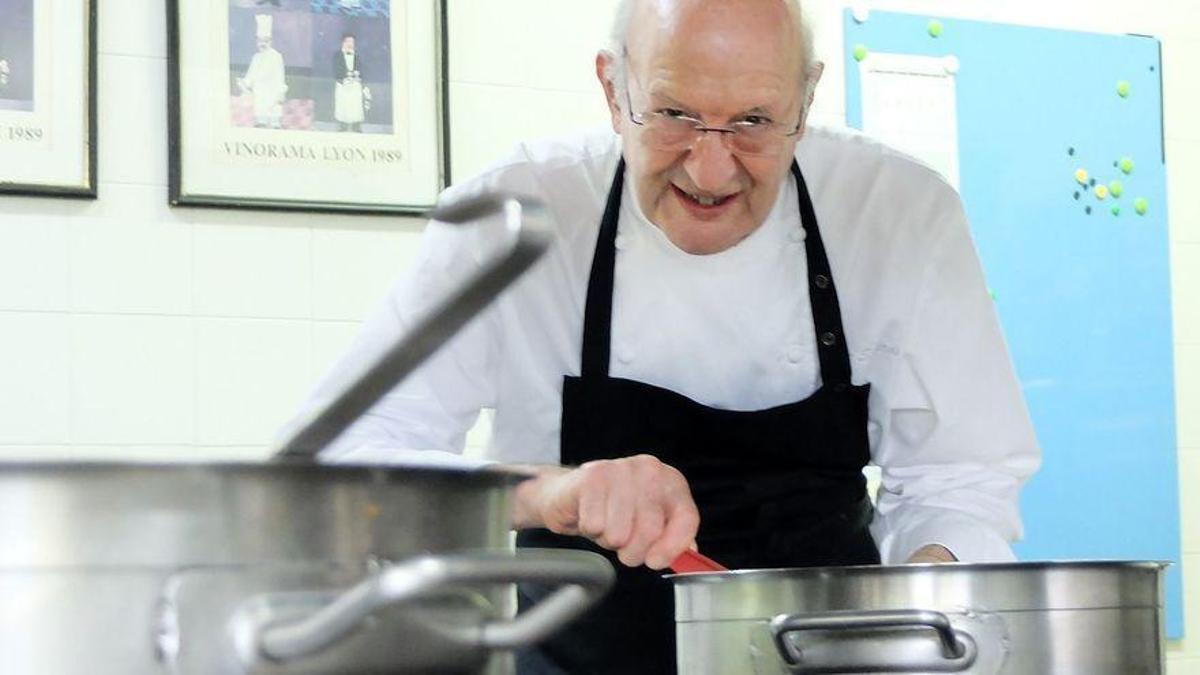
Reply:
x=289 y=566
x=1068 y=618
x=123 y=568
x=285 y=567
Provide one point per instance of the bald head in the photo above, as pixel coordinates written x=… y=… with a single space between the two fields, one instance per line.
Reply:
x=644 y=24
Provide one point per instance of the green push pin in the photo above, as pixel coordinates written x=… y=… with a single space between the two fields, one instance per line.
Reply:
x=1123 y=89
x=1116 y=189
x=1141 y=205
x=935 y=28
x=1116 y=210
x=860 y=52
x=1126 y=165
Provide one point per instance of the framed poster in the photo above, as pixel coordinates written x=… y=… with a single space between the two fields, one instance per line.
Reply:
x=48 y=97
x=323 y=105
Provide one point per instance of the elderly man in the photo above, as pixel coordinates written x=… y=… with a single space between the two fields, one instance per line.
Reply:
x=738 y=314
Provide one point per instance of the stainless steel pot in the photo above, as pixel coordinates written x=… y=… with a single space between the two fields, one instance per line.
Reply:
x=267 y=569
x=289 y=566
x=1068 y=618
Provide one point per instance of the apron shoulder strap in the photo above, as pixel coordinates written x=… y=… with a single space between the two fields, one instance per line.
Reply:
x=597 y=313
x=827 y=313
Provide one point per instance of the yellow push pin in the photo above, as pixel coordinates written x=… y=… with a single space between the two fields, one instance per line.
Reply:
x=1101 y=191
x=1081 y=176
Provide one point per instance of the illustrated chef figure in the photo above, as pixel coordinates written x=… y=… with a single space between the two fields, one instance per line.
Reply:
x=265 y=77
x=350 y=97
x=738 y=313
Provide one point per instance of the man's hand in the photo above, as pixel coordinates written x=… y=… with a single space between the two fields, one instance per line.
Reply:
x=932 y=553
x=636 y=506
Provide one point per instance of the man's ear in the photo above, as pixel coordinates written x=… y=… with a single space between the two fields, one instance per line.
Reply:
x=604 y=66
x=814 y=76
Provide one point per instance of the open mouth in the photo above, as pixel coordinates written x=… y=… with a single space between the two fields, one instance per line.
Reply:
x=702 y=201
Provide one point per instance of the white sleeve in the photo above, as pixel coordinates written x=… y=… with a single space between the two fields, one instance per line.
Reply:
x=957 y=442
x=424 y=420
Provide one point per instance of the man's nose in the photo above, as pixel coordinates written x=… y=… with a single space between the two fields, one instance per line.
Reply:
x=710 y=164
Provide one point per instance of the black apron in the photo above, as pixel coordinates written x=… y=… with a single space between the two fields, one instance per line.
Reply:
x=781 y=487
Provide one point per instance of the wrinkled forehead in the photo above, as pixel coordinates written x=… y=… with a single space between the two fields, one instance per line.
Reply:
x=726 y=37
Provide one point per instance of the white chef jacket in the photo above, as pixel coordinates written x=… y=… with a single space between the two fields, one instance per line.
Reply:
x=733 y=330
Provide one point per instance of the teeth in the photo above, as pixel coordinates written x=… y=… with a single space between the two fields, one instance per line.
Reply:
x=704 y=201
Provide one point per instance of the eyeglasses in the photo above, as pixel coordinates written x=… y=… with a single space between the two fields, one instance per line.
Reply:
x=674 y=129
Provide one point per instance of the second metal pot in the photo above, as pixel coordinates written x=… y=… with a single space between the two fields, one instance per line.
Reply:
x=1072 y=618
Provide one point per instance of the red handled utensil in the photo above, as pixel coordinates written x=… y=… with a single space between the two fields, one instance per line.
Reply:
x=691 y=561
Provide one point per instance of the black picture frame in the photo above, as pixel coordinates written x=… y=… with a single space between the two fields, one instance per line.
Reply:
x=305 y=193
x=66 y=168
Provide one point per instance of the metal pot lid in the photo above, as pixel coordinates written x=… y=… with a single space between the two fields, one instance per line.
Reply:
x=486 y=475
x=59 y=514
x=994 y=587
x=876 y=570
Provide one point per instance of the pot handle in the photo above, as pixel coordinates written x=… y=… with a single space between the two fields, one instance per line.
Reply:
x=524 y=220
x=958 y=650
x=585 y=578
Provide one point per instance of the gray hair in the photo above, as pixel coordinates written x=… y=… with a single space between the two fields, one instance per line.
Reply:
x=624 y=18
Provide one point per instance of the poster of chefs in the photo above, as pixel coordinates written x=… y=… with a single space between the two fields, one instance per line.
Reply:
x=311 y=65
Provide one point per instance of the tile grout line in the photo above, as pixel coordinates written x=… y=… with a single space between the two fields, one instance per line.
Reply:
x=195 y=328
x=72 y=360
x=175 y=315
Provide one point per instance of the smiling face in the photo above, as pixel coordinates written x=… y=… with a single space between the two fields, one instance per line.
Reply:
x=720 y=61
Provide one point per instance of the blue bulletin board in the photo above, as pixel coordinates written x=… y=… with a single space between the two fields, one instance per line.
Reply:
x=1062 y=170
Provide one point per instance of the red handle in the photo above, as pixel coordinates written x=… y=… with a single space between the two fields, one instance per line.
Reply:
x=691 y=561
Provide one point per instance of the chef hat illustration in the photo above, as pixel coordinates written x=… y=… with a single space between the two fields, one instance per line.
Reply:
x=263 y=28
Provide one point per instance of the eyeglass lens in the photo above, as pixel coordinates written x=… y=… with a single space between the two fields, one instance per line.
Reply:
x=670 y=133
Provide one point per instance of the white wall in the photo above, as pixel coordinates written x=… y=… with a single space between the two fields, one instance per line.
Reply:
x=133 y=330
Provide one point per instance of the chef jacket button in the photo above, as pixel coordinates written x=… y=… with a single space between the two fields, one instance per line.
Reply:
x=795 y=353
x=821 y=281
x=624 y=354
x=798 y=235
x=622 y=242
x=828 y=339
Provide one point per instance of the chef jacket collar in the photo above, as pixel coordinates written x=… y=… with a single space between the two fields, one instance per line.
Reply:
x=763 y=242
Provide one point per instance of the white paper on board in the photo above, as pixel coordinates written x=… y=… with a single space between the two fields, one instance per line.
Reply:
x=910 y=103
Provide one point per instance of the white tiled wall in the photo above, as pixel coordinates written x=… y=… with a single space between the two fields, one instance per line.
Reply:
x=132 y=380
x=130 y=329
x=36 y=377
